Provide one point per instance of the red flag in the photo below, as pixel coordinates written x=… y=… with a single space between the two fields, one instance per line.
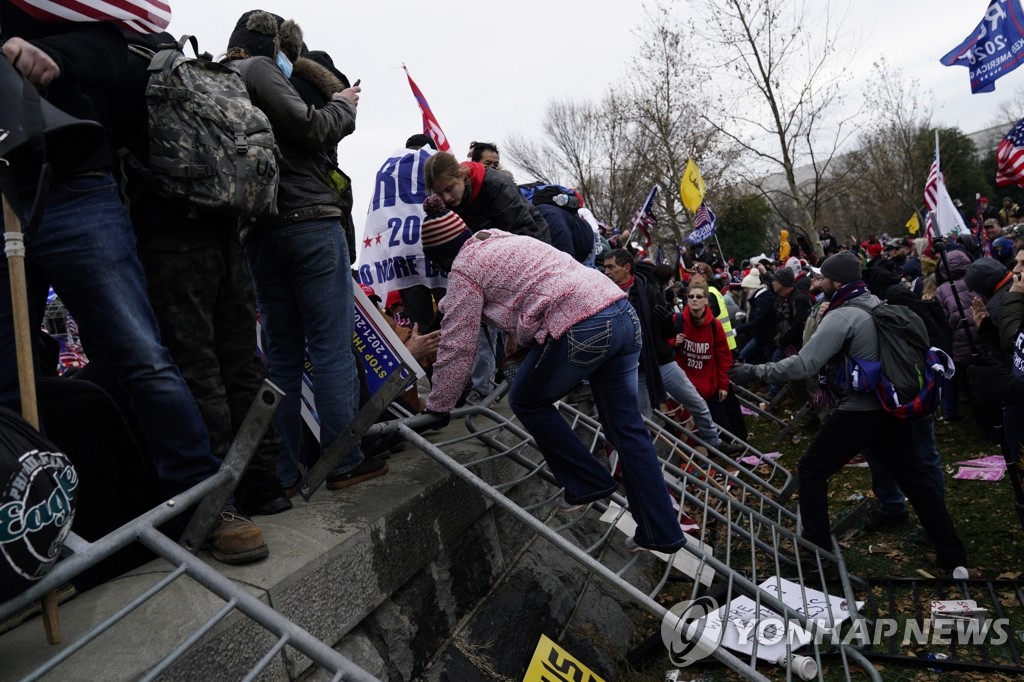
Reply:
x=431 y=128
x=141 y=16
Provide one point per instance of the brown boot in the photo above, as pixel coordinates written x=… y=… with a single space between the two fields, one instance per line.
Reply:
x=235 y=539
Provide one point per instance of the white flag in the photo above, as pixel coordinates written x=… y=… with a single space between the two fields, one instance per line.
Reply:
x=947 y=219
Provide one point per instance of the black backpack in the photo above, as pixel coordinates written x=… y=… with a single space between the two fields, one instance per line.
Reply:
x=209 y=146
x=38 y=494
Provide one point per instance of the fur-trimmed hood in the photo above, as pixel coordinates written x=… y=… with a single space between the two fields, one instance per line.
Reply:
x=315 y=77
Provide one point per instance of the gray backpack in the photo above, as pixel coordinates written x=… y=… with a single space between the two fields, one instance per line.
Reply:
x=209 y=146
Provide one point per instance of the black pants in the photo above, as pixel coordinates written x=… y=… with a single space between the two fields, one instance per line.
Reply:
x=846 y=433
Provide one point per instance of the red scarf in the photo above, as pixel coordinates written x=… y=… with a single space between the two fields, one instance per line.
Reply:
x=628 y=284
x=475 y=174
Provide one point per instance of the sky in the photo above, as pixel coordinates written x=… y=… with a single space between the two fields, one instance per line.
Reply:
x=489 y=69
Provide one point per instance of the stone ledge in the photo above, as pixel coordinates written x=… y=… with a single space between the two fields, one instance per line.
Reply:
x=333 y=561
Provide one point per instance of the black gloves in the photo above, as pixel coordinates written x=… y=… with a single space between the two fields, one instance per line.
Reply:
x=741 y=375
x=440 y=419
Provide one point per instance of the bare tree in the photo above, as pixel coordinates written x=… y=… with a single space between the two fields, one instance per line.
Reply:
x=777 y=64
x=888 y=169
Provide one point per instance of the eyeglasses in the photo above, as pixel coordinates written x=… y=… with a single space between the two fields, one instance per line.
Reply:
x=695 y=297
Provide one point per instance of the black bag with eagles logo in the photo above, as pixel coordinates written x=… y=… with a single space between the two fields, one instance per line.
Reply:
x=38 y=492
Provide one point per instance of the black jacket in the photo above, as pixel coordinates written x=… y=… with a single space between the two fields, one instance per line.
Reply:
x=306 y=137
x=655 y=328
x=91 y=57
x=760 y=322
x=499 y=204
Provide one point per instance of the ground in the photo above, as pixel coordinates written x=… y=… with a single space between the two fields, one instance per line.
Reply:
x=985 y=518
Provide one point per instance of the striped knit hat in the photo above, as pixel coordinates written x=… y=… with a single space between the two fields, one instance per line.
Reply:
x=443 y=232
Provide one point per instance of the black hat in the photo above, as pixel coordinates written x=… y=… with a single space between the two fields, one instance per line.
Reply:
x=843 y=267
x=256 y=31
x=419 y=141
x=33 y=130
x=784 y=276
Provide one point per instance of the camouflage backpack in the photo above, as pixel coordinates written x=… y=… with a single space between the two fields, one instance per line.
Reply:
x=209 y=146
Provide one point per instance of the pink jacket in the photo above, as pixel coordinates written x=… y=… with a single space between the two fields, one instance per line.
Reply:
x=521 y=285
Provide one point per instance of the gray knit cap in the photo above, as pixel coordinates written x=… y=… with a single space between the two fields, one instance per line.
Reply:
x=842 y=267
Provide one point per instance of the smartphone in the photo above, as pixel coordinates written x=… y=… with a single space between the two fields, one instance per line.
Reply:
x=358 y=81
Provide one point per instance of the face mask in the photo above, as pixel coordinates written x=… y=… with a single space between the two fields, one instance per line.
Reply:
x=284 y=64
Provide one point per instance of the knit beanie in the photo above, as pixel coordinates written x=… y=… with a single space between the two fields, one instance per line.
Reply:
x=751 y=281
x=443 y=232
x=842 y=267
x=256 y=32
x=785 y=277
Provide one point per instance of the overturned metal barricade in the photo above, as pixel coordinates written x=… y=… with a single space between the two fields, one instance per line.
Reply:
x=744 y=554
x=287 y=639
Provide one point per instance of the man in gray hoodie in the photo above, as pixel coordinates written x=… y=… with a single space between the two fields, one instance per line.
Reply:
x=858 y=422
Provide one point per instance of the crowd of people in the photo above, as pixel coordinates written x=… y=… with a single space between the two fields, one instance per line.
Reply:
x=501 y=276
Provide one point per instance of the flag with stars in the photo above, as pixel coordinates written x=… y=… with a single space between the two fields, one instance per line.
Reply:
x=1010 y=157
x=390 y=253
x=644 y=219
x=703 y=225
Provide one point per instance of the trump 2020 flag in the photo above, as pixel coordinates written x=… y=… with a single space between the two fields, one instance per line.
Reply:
x=1010 y=157
x=993 y=49
x=644 y=219
x=691 y=187
x=703 y=225
x=141 y=16
x=431 y=128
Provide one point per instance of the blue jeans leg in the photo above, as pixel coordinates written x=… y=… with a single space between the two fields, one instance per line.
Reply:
x=482 y=380
x=304 y=290
x=604 y=348
x=681 y=389
x=85 y=249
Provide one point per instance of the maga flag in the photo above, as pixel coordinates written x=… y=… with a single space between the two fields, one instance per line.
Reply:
x=993 y=49
x=691 y=187
x=431 y=128
x=141 y=16
x=644 y=219
x=703 y=225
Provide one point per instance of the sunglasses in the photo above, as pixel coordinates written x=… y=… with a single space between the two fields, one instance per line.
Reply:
x=695 y=297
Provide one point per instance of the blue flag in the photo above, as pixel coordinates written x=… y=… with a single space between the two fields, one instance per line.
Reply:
x=703 y=225
x=994 y=48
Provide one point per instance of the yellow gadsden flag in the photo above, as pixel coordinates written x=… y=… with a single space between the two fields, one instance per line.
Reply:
x=691 y=187
x=913 y=224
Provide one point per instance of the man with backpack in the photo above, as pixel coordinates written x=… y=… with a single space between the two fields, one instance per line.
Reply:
x=847 y=330
x=84 y=247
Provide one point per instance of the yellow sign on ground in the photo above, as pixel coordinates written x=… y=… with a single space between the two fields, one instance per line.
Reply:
x=552 y=663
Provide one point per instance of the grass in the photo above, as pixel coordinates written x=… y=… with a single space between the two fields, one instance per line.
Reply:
x=985 y=520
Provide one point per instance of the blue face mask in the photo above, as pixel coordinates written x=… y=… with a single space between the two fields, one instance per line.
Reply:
x=284 y=64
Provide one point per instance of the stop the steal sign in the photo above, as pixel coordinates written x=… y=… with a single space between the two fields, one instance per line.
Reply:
x=552 y=663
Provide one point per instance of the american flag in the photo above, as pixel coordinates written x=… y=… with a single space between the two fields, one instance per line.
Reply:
x=931 y=192
x=141 y=16
x=703 y=224
x=1010 y=157
x=644 y=219
x=431 y=128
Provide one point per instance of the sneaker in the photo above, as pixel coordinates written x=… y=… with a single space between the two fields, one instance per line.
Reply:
x=565 y=505
x=235 y=539
x=369 y=469
x=729 y=448
x=878 y=520
x=631 y=546
x=857 y=462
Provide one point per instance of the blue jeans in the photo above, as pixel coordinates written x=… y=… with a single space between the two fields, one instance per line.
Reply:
x=754 y=352
x=681 y=389
x=890 y=498
x=605 y=348
x=85 y=249
x=485 y=363
x=304 y=290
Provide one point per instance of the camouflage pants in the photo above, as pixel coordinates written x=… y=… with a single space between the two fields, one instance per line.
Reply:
x=201 y=292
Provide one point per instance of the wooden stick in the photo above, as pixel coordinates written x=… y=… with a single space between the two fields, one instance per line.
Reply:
x=14 y=246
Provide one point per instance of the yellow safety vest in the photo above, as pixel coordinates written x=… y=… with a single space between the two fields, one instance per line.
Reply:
x=723 y=317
